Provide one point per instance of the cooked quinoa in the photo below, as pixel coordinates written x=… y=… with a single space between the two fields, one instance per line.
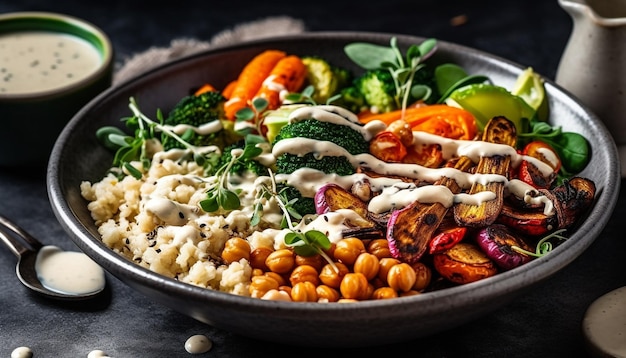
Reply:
x=157 y=223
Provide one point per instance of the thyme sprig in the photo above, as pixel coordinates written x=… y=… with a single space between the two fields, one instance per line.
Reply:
x=307 y=243
x=543 y=246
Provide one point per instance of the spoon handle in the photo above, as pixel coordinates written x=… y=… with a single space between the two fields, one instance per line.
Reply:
x=16 y=246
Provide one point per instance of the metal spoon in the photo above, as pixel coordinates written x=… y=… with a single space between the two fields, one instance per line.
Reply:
x=26 y=270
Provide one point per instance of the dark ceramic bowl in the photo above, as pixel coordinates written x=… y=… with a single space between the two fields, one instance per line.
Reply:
x=78 y=156
x=33 y=118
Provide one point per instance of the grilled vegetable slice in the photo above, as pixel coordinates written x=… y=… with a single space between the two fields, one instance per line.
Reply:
x=570 y=199
x=409 y=229
x=332 y=197
x=464 y=263
x=496 y=241
x=502 y=131
x=446 y=239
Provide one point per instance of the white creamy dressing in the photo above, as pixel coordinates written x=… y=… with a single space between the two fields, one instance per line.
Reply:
x=22 y=352
x=203 y=129
x=392 y=193
x=36 y=61
x=97 y=353
x=68 y=271
x=198 y=344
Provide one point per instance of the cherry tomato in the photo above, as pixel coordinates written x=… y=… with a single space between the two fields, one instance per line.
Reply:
x=430 y=156
x=388 y=147
x=464 y=263
x=530 y=173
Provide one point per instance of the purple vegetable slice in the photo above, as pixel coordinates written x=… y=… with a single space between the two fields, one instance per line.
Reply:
x=496 y=241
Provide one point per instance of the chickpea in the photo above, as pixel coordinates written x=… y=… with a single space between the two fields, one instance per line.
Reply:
x=409 y=293
x=258 y=257
x=403 y=130
x=236 y=249
x=280 y=279
x=304 y=273
x=260 y=285
x=379 y=248
x=385 y=264
x=304 y=292
x=286 y=289
x=401 y=277
x=423 y=276
x=384 y=293
x=257 y=272
x=367 y=264
x=326 y=294
x=276 y=295
x=316 y=261
x=348 y=249
x=354 y=286
x=280 y=261
x=332 y=278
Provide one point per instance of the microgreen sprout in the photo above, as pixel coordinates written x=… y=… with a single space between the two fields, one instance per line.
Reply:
x=402 y=68
x=251 y=117
x=543 y=246
x=132 y=148
x=219 y=193
x=308 y=243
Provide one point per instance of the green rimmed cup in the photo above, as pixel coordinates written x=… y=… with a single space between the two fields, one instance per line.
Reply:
x=51 y=65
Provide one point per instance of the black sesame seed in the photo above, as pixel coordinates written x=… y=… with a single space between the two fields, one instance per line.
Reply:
x=181 y=215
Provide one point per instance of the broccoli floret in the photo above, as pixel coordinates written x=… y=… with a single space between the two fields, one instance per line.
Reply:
x=344 y=136
x=242 y=165
x=303 y=205
x=289 y=163
x=196 y=110
x=351 y=99
x=378 y=89
x=326 y=79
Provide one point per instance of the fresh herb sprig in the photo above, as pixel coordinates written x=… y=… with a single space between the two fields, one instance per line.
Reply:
x=129 y=148
x=401 y=67
x=308 y=243
x=219 y=194
x=544 y=245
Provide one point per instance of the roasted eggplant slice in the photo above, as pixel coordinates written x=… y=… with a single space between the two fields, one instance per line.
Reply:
x=570 y=199
x=502 y=131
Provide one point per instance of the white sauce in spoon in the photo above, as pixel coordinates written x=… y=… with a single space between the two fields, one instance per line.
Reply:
x=68 y=271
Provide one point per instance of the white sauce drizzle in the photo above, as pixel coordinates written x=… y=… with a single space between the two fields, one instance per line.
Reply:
x=68 y=271
x=198 y=344
x=392 y=193
x=36 y=61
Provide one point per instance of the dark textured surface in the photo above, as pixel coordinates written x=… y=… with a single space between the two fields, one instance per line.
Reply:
x=546 y=322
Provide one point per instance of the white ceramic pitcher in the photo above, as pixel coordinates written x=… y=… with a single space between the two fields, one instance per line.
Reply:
x=593 y=65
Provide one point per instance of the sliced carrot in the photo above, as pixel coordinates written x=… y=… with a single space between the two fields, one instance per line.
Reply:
x=205 y=88
x=288 y=75
x=227 y=92
x=250 y=80
x=440 y=119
